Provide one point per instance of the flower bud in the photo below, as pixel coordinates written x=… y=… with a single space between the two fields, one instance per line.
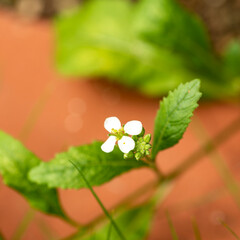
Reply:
x=148 y=146
x=138 y=155
x=142 y=151
x=147 y=138
x=128 y=155
x=147 y=152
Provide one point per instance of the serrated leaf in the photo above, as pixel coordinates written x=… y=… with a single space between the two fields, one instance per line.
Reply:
x=15 y=163
x=98 y=167
x=131 y=43
x=174 y=115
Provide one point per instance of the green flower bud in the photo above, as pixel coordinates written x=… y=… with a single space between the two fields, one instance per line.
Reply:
x=128 y=155
x=138 y=155
x=142 y=151
x=148 y=146
x=147 y=152
x=147 y=138
x=140 y=140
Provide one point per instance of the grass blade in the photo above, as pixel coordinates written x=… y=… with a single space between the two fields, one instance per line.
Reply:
x=172 y=229
x=230 y=230
x=99 y=201
x=220 y=164
x=109 y=232
x=196 y=230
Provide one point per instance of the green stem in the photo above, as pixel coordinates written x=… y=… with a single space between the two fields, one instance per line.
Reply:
x=230 y=230
x=206 y=149
x=229 y=180
x=99 y=201
x=196 y=230
x=146 y=188
x=152 y=164
x=28 y=217
x=36 y=111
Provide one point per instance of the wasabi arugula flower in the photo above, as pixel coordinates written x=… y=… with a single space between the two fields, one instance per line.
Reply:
x=120 y=134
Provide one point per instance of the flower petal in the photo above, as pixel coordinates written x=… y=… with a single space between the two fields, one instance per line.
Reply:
x=112 y=123
x=109 y=144
x=126 y=144
x=133 y=127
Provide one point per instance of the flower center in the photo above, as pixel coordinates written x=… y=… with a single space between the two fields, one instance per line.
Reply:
x=117 y=133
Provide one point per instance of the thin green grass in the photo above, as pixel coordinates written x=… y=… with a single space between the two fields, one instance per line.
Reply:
x=220 y=164
x=196 y=230
x=99 y=201
x=171 y=226
x=230 y=230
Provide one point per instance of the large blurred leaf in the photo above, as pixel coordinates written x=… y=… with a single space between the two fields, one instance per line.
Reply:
x=97 y=166
x=231 y=59
x=152 y=45
x=174 y=115
x=100 y=41
x=15 y=163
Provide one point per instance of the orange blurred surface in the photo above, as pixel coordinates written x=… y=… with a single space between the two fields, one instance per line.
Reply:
x=71 y=112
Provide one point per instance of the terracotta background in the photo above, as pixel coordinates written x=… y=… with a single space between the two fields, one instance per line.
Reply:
x=71 y=112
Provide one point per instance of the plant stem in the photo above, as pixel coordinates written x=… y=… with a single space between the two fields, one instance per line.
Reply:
x=23 y=135
x=205 y=149
x=146 y=188
x=99 y=202
x=28 y=217
x=36 y=111
x=229 y=180
x=153 y=165
x=230 y=230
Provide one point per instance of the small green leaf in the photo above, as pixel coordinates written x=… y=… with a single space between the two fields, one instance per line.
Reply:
x=97 y=166
x=15 y=163
x=174 y=115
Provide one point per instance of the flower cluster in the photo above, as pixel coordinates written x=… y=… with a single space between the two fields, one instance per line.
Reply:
x=129 y=137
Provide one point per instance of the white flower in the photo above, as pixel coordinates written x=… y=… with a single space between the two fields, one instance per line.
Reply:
x=120 y=134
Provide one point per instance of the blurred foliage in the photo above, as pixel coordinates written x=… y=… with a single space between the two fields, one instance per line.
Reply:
x=151 y=45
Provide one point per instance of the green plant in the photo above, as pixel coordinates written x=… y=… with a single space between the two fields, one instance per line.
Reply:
x=37 y=181
x=87 y=166
x=151 y=45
